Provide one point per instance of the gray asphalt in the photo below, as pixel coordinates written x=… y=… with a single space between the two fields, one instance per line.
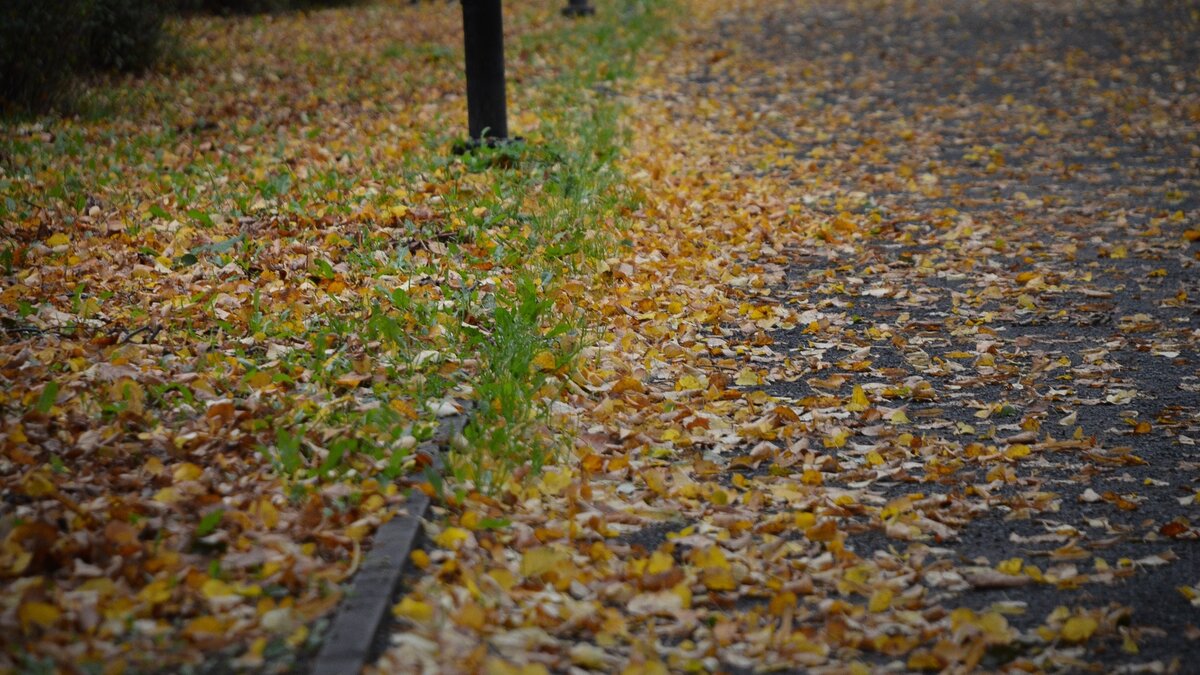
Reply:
x=1094 y=109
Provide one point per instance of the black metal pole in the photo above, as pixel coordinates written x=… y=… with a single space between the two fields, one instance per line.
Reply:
x=578 y=8
x=483 y=35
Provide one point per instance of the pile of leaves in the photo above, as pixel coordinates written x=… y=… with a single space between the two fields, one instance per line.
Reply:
x=238 y=297
x=898 y=371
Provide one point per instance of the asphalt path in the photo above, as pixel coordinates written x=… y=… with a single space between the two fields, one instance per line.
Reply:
x=1032 y=167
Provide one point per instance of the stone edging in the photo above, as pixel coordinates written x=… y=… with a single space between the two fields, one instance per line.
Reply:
x=352 y=639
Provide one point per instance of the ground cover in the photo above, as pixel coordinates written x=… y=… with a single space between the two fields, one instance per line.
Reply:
x=899 y=364
x=238 y=292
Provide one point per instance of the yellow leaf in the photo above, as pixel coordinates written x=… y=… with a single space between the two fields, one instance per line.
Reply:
x=747 y=378
x=628 y=384
x=881 y=599
x=497 y=666
x=874 y=458
x=168 y=495
x=269 y=568
x=297 y=637
x=351 y=380
x=859 y=574
x=16 y=434
x=267 y=513
x=1017 y=451
x=38 y=484
x=858 y=400
x=717 y=573
x=544 y=360
x=452 y=538
x=711 y=557
x=470 y=520
x=922 y=659
x=685 y=594
x=648 y=668
x=782 y=603
x=39 y=614
x=153 y=466
x=156 y=592
x=719 y=497
x=837 y=439
x=58 y=239
x=659 y=562
x=1079 y=628
x=655 y=481
x=899 y=417
x=554 y=482
x=215 y=588
x=541 y=559
x=186 y=471
x=503 y=578
x=1011 y=566
x=373 y=503
x=472 y=616
x=257 y=648
x=413 y=610
x=132 y=393
x=259 y=380
x=203 y=626
x=688 y=382
x=1128 y=645
x=404 y=408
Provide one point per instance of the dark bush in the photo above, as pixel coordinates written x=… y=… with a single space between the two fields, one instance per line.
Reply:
x=38 y=41
x=44 y=44
x=123 y=35
x=256 y=6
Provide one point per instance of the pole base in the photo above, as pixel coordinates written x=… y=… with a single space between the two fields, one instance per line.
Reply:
x=470 y=145
x=576 y=11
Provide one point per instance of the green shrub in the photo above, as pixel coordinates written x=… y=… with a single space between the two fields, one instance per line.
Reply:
x=45 y=45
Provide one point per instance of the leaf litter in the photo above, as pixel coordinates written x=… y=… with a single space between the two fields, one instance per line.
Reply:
x=236 y=300
x=840 y=353
x=898 y=366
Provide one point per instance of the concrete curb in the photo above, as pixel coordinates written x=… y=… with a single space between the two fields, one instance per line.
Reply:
x=352 y=640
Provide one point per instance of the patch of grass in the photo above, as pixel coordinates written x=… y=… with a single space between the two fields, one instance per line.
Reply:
x=528 y=341
x=532 y=333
